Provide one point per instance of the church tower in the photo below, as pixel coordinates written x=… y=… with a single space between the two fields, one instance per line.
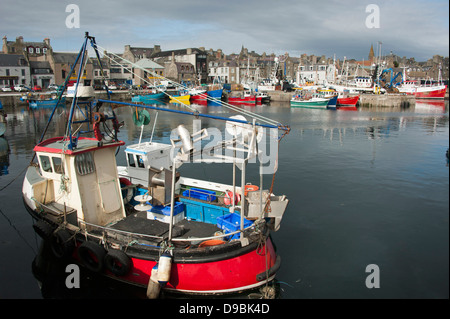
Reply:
x=371 y=54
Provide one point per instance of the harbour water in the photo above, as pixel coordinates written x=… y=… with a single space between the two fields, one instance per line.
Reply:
x=366 y=187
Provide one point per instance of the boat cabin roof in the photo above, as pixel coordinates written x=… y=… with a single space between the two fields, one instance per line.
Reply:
x=59 y=144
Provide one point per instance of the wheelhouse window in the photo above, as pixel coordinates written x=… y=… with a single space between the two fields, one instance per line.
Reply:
x=57 y=165
x=131 y=161
x=140 y=161
x=46 y=166
x=84 y=163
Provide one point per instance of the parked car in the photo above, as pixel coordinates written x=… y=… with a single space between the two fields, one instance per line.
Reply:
x=20 y=88
x=52 y=87
x=37 y=88
x=7 y=89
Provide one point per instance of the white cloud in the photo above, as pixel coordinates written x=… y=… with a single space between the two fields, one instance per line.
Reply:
x=412 y=28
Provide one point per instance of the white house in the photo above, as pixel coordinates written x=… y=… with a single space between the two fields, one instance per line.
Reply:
x=226 y=72
x=14 y=69
x=316 y=74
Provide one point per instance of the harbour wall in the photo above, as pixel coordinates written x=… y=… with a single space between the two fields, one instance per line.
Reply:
x=387 y=100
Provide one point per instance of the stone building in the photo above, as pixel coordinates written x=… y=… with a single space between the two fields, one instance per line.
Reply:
x=61 y=64
x=30 y=49
x=153 y=72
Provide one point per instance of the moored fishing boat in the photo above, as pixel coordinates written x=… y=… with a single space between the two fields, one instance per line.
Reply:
x=149 y=98
x=198 y=96
x=346 y=102
x=159 y=230
x=430 y=92
x=36 y=101
x=243 y=99
x=315 y=101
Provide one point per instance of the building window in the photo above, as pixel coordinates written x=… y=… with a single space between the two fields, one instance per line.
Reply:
x=44 y=50
x=30 y=50
x=38 y=50
x=7 y=72
x=23 y=72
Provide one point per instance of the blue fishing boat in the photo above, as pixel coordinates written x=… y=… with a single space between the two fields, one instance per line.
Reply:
x=43 y=101
x=148 y=98
x=332 y=103
x=46 y=103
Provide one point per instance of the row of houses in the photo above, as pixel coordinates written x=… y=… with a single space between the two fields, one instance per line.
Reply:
x=35 y=63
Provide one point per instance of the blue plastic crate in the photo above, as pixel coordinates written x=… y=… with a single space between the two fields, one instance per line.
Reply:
x=231 y=223
x=165 y=210
x=203 y=212
x=202 y=194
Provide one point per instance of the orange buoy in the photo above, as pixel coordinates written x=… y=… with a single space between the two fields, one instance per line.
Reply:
x=211 y=242
x=227 y=200
x=250 y=188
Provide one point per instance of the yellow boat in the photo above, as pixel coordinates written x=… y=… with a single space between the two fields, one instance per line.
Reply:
x=182 y=99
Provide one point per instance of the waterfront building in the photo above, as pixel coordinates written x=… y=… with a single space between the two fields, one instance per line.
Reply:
x=196 y=57
x=153 y=72
x=101 y=73
x=41 y=74
x=30 y=49
x=62 y=62
x=224 y=71
x=14 y=69
x=316 y=73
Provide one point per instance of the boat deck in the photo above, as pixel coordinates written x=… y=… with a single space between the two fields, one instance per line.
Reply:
x=139 y=224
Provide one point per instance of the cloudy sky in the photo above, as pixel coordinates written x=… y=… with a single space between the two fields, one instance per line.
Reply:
x=413 y=28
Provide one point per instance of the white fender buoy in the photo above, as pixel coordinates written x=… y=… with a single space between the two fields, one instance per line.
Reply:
x=164 y=267
x=153 y=286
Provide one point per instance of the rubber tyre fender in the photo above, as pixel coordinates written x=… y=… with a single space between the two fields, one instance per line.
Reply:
x=62 y=244
x=43 y=229
x=92 y=256
x=118 y=262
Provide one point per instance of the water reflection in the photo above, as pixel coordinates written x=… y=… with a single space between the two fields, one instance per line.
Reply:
x=371 y=185
x=4 y=156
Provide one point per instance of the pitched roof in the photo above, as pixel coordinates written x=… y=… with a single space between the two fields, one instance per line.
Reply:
x=13 y=60
x=148 y=64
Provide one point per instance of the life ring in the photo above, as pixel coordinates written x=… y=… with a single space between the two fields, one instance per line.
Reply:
x=97 y=133
x=92 y=256
x=250 y=188
x=62 y=244
x=211 y=242
x=127 y=194
x=228 y=195
x=118 y=262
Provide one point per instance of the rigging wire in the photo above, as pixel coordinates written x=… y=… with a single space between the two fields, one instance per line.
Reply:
x=180 y=86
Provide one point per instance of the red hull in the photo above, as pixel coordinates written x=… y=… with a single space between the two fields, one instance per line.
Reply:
x=250 y=100
x=217 y=277
x=438 y=93
x=350 y=101
x=199 y=99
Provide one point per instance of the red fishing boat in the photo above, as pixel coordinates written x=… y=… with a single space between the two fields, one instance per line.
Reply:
x=430 y=92
x=144 y=223
x=346 y=102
